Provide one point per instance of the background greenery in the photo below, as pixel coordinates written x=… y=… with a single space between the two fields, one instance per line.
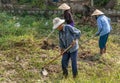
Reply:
x=101 y=2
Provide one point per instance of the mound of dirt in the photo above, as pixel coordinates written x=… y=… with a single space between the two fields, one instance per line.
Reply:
x=84 y=54
x=87 y=55
x=47 y=45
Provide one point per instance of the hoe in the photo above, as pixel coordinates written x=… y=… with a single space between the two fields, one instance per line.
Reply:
x=44 y=71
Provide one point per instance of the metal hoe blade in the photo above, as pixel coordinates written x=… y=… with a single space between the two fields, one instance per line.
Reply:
x=44 y=72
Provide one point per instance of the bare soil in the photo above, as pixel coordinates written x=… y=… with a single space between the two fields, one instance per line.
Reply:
x=47 y=45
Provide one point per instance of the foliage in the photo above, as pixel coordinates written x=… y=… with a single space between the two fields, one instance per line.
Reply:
x=100 y=2
x=117 y=7
x=42 y=4
x=39 y=3
x=24 y=1
x=35 y=3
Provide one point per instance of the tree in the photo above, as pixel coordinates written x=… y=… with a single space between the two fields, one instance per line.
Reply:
x=92 y=2
x=101 y=2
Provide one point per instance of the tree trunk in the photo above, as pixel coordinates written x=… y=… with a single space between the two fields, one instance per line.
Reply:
x=92 y=3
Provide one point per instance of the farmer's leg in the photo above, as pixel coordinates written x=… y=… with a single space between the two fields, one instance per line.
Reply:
x=101 y=45
x=73 y=56
x=65 y=60
x=106 y=38
x=101 y=51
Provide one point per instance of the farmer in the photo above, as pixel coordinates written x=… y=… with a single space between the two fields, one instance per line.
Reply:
x=104 y=29
x=68 y=35
x=67 y=14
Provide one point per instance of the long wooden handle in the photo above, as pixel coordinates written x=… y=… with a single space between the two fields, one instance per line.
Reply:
x=67 y=49
x=87 y=40
x=57 y=56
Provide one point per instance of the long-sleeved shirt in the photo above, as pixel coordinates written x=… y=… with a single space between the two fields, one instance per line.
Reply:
x=104 y=26
x=66 y=37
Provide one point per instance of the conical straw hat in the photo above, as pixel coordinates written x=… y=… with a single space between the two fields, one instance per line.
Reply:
x=64 y=6
x=97 y=12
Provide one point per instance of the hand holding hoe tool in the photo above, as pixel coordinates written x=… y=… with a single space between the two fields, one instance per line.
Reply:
x=44 y=71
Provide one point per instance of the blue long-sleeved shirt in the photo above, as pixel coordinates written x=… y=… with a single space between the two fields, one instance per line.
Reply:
x=104 y=26
x=66 y=37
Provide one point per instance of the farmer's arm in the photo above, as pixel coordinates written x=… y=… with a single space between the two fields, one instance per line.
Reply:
x=61 y=45
x=61 y=42
x=76 y=32
x=109 y=20
x=99 y=23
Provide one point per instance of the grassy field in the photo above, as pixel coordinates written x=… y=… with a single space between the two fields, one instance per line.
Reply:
x=22 y=54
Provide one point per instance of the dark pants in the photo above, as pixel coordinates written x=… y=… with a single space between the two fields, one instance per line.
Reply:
x=65 y=61
x=103 y=40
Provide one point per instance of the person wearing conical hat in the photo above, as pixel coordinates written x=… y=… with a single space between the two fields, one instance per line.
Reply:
x=67 y=14
x=104 y=28
x=68 y=35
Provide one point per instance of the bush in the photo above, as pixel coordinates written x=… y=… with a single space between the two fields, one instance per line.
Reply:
x=35 y=3
x=101 y=2
x=24 y=1
x=39 y=3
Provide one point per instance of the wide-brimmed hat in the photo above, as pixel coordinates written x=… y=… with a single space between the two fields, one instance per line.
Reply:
x=97 y=12
x=57 y=22
x=64 y=6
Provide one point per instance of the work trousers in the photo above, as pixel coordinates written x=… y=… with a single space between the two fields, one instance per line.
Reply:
x=65 y=60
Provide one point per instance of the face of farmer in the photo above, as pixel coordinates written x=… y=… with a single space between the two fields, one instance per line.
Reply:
x=60 y=27
x=96 y=16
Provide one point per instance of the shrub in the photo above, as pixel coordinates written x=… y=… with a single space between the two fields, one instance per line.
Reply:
x=101 y=2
